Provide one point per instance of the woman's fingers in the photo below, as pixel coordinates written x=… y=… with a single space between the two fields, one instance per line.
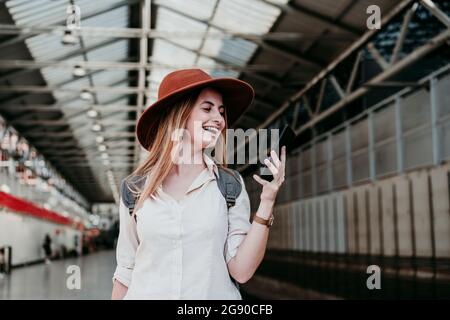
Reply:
x=260 y=180
x=271 y=167
x=275 y=158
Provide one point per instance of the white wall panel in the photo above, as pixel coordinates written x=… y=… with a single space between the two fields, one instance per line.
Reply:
x=441 y=211
x=374 y=221
x=422 y=224
x=387 y=203
x=404 y=223
x=26 y=235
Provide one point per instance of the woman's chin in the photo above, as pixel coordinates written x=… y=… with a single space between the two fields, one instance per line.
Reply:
x=209 y=143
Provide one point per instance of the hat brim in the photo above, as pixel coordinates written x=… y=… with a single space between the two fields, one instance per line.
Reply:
x=237 y=96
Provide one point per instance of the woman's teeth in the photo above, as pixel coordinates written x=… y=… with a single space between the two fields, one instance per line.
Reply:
x=211 y=129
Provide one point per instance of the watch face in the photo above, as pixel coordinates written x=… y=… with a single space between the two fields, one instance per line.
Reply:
x=271 y=220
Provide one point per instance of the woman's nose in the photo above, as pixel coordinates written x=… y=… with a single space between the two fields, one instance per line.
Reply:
x=218 y=118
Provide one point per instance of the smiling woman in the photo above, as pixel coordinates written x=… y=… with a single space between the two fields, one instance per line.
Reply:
x=184 y=242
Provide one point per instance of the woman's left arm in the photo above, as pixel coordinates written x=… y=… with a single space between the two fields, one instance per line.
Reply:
x=251 y=251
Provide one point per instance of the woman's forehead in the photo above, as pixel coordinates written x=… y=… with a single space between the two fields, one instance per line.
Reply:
x=210 y=94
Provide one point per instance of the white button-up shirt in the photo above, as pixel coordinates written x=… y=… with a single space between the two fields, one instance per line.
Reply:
x=180 y=249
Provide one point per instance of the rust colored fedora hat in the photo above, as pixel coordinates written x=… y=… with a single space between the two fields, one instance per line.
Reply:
x=237 y=95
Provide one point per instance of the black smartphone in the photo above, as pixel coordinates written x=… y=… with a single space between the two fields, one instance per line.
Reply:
x=286 y=138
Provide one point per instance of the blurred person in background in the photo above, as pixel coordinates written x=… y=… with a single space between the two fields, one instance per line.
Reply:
x=2 y=262
x=47 y=245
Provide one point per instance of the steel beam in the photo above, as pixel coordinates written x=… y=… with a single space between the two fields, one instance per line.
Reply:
x=377 y=56
x=63 y=122
x=50 y=89
x=51 y=135
x=357 y=45
x=402 y=35
x=435 y=11
x=386 y=74
x=337 y=86
x=323 y=85
x=117 y=65
x=243 y=69
x=264 y=44
x=297 y=9
x=133 y=33
x=43 y=108
x=60 y=58
x=400 y=65
x=353 y=74
x=62 y=22
x=145 y=11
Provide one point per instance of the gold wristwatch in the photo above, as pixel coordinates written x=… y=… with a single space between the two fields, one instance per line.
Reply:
x=265 y=222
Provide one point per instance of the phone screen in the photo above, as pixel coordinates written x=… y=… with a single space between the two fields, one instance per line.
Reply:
x=286 y=138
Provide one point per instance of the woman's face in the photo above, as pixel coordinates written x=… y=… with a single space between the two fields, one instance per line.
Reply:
x=206 y=120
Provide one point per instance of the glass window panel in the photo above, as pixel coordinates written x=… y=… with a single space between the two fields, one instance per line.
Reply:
x=418 y=149
x=385 y=158
x=359 y=135
x=339 y=145
x=360 y=165
x=415 y=110
x=384 y=124
x=339 y=172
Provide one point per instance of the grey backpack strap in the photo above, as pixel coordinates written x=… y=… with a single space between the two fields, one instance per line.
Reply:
x=229 y=185
x=128 y=198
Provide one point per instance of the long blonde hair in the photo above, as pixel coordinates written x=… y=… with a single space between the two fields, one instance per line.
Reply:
x=159 y=161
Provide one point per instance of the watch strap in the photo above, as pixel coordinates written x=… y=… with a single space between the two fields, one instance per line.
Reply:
x=266 y=222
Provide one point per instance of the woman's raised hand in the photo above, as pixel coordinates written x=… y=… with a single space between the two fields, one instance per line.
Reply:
x=277 y=168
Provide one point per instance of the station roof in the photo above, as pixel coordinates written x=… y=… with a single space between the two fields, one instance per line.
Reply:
x=276 y=45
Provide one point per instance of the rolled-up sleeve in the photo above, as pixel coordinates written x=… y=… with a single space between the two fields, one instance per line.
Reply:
x=126 y=246
x=238 y=223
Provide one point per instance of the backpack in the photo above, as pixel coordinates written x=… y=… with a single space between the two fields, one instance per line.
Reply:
x=227 y=181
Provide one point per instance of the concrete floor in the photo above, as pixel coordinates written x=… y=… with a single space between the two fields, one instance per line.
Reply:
x=50 y=281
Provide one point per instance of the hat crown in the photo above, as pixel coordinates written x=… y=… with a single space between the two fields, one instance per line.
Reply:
x=179 y=79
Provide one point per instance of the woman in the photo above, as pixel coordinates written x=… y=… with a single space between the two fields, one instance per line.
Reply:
x=182 y=242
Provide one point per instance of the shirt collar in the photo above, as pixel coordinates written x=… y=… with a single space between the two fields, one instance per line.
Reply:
x=211 y=165
x=213 y=172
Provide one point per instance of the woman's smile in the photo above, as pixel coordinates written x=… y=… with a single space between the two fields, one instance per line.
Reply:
x=210 y=132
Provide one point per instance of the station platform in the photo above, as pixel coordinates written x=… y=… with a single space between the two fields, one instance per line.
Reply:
x=49 y=281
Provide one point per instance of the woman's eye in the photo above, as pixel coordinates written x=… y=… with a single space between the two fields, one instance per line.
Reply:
x=208 y=109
